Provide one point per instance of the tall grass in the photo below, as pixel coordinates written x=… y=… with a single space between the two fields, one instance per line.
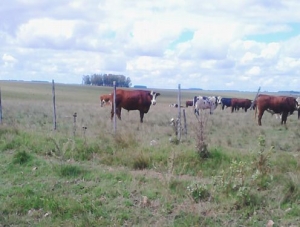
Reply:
x=137 y=177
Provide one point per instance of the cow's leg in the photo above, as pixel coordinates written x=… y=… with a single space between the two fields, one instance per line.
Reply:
x=118 y=112
x=141 y=116
x=112 y=113
x=223 y=106
x=299 y=114
x=284 y=117
x=260 y=114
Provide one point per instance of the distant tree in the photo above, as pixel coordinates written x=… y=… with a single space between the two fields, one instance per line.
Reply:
x=106 y=80
x=86 y=80
x=128 y=82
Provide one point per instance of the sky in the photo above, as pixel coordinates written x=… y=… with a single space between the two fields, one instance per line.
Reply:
x=213 y=45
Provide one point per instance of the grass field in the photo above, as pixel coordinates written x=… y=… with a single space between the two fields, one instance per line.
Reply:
x=82 y=174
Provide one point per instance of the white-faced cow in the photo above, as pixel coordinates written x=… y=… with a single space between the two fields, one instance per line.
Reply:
x=203 y=102
x=278 y=104
x=225 y=102
x=105 y=99
x=140 y=100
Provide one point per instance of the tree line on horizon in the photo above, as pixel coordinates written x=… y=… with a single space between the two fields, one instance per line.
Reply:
x=106 y=80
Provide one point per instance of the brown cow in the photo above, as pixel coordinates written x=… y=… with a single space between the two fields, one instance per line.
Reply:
x=278 y=104
x=237 y=103
x=105 y=99
x=134 y=100
x=189 y=103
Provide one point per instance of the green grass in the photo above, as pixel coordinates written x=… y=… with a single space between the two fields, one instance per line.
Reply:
x=138 y=177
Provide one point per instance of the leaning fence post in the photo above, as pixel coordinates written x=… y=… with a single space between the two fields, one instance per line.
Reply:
x=54 y=109
x=179 y=114
x=252 y=104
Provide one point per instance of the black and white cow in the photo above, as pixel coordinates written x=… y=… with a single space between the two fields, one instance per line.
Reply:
x=203 y=102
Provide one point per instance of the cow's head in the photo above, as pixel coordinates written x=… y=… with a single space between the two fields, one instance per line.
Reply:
x=219 y=100
x=102 y=102
x=154 y=94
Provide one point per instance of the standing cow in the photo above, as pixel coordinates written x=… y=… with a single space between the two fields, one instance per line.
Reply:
x=278 y=104
x=237 y=103
x=140 y=100
x=105 y=99
x=225 y=102
x=203 y=102
x=189 y=103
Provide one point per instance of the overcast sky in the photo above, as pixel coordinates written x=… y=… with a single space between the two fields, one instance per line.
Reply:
x=230 y=44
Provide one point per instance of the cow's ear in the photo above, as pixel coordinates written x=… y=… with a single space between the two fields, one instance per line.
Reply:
x=157 y=94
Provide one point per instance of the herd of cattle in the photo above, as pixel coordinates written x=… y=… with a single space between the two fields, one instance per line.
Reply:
x=141 y=100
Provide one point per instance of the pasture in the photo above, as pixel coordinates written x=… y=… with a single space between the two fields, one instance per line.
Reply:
x=82 y=174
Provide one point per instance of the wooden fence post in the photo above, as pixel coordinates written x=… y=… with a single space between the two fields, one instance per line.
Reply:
x=74 y=124
x=114 y=103
x=252 y=104
x=54 y=108
x=0 y=108
x=179 y=114
x=185 y=125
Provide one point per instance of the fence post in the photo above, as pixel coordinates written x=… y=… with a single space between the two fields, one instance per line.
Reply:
x=74 y=124
x=0 y=108
x=54 y=108
x=179 y=114
x=252 y=104
x=185 y=125
x=114 y=104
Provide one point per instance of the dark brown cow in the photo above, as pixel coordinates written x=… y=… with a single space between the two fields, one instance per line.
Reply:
x=105 y=99
x=237 y=103
x=134 y=100
x=188 y=103
x=278 y=104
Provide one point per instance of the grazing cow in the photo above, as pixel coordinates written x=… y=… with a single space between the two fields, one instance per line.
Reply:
x=202 y=102
x=105 y=99
x=134 y=100
x=224 y=102
x=278 y=104
x=189 y=103
x=237 y=103
x=174 y=105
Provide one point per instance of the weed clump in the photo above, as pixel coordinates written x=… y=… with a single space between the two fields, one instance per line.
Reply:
x=201 y=132
x=70 y=171
x=198 y=192
x=21 y=158
x=140 y=162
